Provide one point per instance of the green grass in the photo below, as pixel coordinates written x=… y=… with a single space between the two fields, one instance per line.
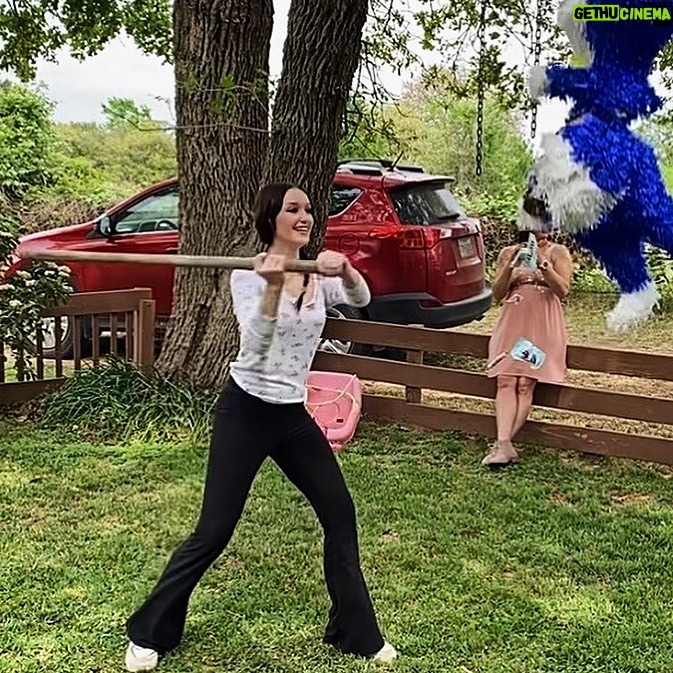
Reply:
x=560 y=565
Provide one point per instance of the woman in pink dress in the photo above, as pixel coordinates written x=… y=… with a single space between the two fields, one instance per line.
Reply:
x=529 y=342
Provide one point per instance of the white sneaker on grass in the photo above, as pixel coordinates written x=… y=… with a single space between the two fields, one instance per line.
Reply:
x=386 y=654
x=141 y=658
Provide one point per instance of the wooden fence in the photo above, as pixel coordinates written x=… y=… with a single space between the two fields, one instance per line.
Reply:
x=132 y=311
x=416 y=376
x=137 y=313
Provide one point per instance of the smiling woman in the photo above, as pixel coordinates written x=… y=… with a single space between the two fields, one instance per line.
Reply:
x=261 y=414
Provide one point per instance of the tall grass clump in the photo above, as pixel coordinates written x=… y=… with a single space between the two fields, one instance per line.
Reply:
x=120 y=401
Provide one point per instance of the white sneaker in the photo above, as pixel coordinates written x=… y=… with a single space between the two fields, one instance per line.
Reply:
x=141 y=658
x=386 y=654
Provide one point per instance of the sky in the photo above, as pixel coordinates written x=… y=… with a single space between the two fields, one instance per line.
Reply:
x=79 y=89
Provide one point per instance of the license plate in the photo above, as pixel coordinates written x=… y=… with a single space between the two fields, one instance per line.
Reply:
x=466 y=247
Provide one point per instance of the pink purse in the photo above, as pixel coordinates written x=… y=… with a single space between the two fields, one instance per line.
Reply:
x=334 y=401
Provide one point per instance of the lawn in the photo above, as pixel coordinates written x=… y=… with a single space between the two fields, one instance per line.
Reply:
x=559 y=565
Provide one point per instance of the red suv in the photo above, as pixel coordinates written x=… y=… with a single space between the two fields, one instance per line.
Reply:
x=402 y=228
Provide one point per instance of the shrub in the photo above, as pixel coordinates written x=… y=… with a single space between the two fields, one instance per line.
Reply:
x=120 y=401
x=23 y=297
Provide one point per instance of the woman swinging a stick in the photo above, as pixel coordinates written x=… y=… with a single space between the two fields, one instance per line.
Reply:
x=260 y=414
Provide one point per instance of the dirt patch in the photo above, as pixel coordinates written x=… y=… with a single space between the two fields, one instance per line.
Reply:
x=390 y=537
x=560 y=500
x=622 y=384
x=631 y=499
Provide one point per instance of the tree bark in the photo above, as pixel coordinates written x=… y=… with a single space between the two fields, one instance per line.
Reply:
x=320 y=57
x=221 y=50
x=221 y=60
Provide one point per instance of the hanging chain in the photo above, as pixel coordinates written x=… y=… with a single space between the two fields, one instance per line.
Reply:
x=480 y=89
x=537 y=49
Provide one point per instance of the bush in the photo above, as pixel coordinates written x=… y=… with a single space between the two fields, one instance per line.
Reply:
x=23 y=297
x=119 y=401
x=497 y=234
x=45 y=210
x=432 y=127
x=115 y=161
x=661 y=267
x=95 y=168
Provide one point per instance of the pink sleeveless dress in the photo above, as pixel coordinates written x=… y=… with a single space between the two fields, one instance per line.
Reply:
x=530 y=336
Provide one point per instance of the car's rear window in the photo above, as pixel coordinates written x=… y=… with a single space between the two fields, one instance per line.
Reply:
x=341 y=198
x=426 y=203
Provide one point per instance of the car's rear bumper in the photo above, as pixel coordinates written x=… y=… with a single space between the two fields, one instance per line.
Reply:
x=406 y=309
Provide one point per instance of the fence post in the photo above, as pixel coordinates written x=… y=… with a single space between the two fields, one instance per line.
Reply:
x=412 y=393
x=143 y=337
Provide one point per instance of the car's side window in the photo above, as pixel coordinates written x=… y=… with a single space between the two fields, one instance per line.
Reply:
x=158 y=212
x=341 y=198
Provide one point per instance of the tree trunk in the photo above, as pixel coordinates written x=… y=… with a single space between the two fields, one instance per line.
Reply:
x=320 y=57
x=221 y=52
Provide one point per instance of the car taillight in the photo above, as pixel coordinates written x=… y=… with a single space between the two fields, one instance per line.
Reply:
x=434 y=235
x=411 y=239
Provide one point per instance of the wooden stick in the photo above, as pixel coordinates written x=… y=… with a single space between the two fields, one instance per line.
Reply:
x=300 y=265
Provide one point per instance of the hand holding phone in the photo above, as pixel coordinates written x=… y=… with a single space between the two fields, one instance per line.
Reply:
x=527 y=256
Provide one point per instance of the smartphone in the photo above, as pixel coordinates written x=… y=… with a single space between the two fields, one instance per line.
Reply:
x=527 y=257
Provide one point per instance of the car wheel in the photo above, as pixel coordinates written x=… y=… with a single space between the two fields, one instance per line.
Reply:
x=49 y=338
x=344 y=347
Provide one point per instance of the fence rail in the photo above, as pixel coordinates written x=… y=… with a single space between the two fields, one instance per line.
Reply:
x=131 y=312
x=417 y=377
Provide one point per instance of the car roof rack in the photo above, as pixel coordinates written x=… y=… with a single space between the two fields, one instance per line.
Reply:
x=361 y=168
x=377 y=166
